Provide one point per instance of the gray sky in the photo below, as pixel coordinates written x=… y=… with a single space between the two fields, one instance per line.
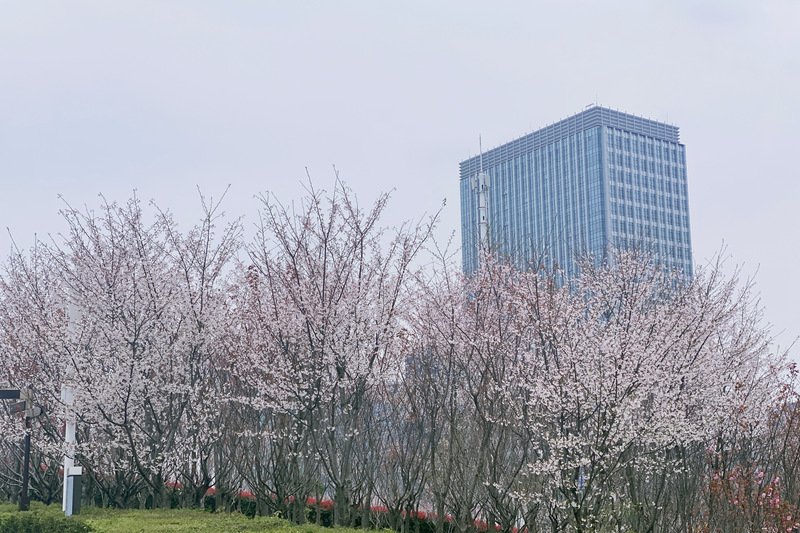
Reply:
x=164 y=96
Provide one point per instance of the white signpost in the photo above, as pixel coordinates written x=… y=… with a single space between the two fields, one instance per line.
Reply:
x=71 y=497
x=71 y=500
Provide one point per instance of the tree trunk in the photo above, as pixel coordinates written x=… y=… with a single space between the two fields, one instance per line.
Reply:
x=341 y=507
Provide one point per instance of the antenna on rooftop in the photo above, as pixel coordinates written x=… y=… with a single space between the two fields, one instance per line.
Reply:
x=480 y=186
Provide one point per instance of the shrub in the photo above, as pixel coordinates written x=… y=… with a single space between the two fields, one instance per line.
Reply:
x=326 y=512
x=33 y=522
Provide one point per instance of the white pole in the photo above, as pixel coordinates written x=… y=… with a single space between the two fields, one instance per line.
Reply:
x=68 y=398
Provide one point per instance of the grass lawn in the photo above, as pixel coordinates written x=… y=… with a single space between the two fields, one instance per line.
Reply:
x=184 y=520
x=163 y=520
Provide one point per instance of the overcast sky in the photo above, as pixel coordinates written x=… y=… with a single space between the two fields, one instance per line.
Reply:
x=164 y=96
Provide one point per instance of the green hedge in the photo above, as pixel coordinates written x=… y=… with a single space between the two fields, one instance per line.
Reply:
x=41 y=520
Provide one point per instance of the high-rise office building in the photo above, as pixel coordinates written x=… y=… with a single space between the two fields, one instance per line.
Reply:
x=598 y=180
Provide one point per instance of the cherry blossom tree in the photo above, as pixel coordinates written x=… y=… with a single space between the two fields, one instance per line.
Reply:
x=627 y=364
x=124 y=311
x=578 y=402
x=323 y=306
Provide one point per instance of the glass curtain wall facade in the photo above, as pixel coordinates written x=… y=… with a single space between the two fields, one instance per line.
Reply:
x=597 y=180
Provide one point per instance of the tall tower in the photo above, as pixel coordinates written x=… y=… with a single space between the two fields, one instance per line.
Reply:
x=597 y=180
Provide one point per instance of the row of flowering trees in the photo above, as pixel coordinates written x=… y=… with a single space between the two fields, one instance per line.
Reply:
x=334 y=358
